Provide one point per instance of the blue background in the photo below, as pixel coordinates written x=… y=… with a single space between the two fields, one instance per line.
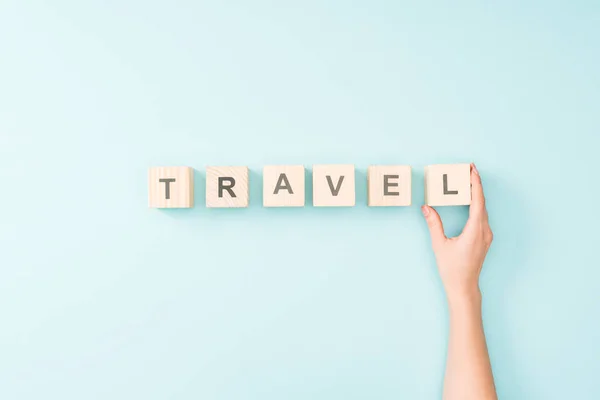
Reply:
x=103 y=298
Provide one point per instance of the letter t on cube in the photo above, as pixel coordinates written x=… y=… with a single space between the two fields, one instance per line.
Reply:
x=170 y=187
x=448 y=185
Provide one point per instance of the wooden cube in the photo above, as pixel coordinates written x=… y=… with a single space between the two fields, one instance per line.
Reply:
x=333 y=186
x=283 y=186
x=171 y=187
x=227 y=187
x=448 y=185
x=389 y=185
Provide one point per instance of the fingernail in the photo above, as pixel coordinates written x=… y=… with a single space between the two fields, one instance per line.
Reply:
x=425 y=210
x=475 y=169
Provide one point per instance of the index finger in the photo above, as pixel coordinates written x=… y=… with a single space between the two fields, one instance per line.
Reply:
x=477 y=208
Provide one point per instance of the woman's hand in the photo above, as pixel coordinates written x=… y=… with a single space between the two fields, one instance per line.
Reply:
x=460 y=259
x=468 y=369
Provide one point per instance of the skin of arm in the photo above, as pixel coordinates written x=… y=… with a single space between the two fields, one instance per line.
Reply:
x=459 y=260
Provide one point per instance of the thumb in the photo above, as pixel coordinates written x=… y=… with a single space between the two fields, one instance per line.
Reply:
x=434 y=223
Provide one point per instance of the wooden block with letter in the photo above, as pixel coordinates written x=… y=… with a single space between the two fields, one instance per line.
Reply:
x=448 y=185
x=171 y=187
x=283 y=186
x=333 y=186
x=227 y=187
x=389 y=185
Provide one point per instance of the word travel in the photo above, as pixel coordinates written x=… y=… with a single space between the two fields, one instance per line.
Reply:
x=333 y=186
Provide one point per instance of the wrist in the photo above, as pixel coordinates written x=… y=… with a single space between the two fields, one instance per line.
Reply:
x=466 y=299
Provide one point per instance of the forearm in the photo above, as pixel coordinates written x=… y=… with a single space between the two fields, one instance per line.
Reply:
x=468 y=369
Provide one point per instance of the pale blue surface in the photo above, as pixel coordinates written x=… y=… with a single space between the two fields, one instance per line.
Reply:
x=103 y=298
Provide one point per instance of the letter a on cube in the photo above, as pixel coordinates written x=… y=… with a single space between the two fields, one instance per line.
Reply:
x=171 y=187
x=227 y=187
x=333 y=186
x=389 y=185
x=283 y=186
x=448 y=185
